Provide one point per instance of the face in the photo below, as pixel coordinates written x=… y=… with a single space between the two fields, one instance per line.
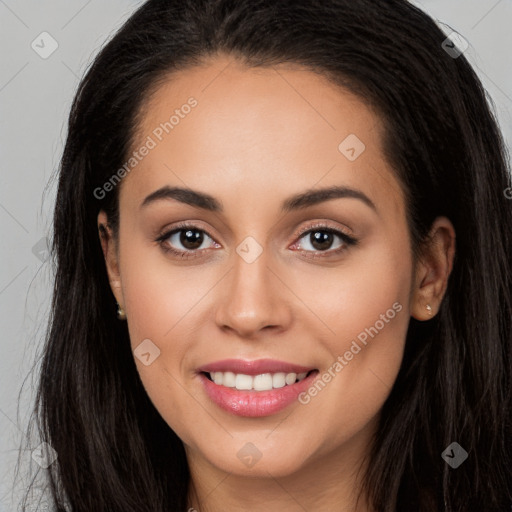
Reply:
x=321 y=285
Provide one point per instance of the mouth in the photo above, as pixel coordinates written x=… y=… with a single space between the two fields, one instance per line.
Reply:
x=255 y=388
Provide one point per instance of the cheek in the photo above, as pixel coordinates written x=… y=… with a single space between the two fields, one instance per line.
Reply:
x=353 y=296
x=376 y=299
x=158 y=293
x=162 y=302
x=366 y=307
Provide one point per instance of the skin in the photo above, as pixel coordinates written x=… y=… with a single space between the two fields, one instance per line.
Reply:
x=256 y=137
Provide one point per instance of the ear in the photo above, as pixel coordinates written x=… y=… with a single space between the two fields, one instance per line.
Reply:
x=111 y=255
x=433 y=269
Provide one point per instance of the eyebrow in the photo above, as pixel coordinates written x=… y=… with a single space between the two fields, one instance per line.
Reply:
x=296 y=202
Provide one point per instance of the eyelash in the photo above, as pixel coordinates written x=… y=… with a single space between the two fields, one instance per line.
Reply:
x=348 y=241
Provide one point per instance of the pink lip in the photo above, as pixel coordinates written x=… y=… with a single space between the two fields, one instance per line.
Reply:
x=252 y=403
x=255 y=367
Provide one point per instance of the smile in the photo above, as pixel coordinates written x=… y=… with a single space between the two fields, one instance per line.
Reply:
x=261 y=382
x=255 y=388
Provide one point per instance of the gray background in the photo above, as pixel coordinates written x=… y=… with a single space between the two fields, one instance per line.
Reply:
x=35 y=97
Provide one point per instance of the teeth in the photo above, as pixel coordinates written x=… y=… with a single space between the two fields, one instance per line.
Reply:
x=242 y=381
x=262 y=382
x=228 y=380
x=290 y=378
x=279 y=380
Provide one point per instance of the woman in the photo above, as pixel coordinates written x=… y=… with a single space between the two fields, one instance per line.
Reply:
x=283 y=268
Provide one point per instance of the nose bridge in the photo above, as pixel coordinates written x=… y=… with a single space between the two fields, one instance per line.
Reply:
x=252 y=299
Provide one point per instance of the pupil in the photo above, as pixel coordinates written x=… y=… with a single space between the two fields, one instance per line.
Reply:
x=191 y=239
x=321 y=240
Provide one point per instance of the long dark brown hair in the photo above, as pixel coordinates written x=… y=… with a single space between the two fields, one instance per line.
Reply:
x=115 y=452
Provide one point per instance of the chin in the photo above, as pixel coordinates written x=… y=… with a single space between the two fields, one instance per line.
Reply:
x=248 y=460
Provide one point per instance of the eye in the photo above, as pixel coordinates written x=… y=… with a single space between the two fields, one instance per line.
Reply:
x=191 y=238
x=321 y=238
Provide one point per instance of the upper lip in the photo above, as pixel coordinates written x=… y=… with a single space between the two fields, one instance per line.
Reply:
x=254 y=367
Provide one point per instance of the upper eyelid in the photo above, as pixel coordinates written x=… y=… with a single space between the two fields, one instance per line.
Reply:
x=176 y=229
x=319 y=225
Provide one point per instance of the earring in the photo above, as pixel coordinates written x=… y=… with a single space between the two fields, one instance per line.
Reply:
x=429 y=308
x=120 y=313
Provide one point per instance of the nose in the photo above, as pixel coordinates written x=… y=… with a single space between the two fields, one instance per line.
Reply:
x=254 y=299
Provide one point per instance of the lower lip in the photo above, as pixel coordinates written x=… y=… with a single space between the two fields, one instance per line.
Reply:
x=253 y=403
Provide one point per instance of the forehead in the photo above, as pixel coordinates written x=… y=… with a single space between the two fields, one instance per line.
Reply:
x=280 y=125
x=239 y=99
